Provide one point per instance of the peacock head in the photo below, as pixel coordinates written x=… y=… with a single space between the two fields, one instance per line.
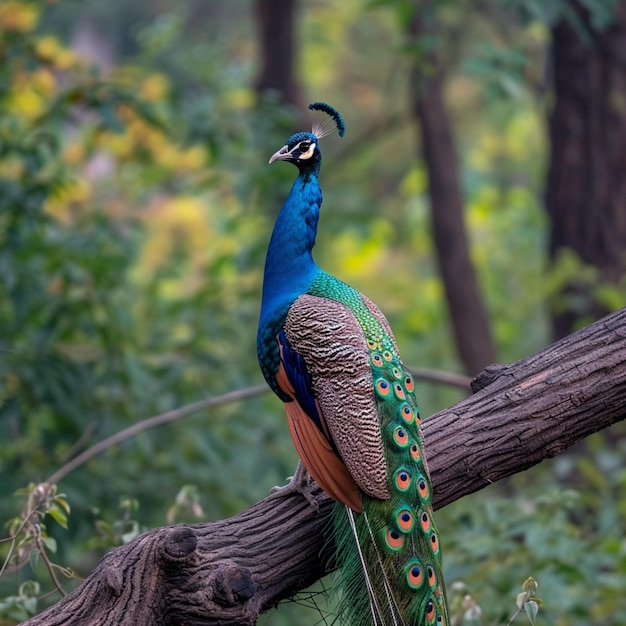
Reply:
x=302 y=149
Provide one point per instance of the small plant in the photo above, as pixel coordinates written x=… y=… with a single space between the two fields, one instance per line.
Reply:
x=21 y=606
x=121 y=530
x=28 y=541
x=186 y=505
x=527 y=602
x=464 y=610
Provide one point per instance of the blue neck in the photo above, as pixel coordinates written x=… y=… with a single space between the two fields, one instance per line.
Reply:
x=289 y=266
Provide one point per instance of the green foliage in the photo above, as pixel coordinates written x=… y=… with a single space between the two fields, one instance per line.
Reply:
x=579 y=288
x=527 y=602
x=106 y=315
x=119 y=531
x=15 y=609
x=29 y=541
x=565 y=532
x=601 y=12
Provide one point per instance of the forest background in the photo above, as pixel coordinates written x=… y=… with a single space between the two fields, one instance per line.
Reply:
x=136 y=204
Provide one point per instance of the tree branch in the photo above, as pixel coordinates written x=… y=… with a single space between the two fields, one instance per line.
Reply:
x=228 y=571
x=152 y=422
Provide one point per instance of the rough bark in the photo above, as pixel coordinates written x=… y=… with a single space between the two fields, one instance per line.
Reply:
x=228 y=571
x=467 y=313
x=586 y=186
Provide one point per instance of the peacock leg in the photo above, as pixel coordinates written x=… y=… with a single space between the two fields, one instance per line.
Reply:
x=301 y=482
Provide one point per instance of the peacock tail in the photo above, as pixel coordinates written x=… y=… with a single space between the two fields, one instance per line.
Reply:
x=330 y=354
x=401 y=559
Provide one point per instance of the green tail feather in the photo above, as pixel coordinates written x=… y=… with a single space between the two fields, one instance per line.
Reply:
x=397 y=537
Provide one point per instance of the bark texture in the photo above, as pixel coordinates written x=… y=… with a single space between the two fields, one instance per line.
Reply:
x=586 y=186
x=468 y=316
x=227 y=572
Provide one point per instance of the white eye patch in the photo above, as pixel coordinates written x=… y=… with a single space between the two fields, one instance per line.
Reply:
x=308 y=153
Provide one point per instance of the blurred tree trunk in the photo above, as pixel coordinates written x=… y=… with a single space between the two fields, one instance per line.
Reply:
x=586 y=183
x=467 y=312
x=276 y=26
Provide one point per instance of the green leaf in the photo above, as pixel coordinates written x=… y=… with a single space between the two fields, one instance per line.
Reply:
x=132 y=533
x=531 y=608
x=33 y=558
x=61 y=501
x=58 y=516
x=104 y=528
x=29 y=588
x=50 y=543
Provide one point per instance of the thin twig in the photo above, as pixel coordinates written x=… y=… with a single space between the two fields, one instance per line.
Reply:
x=80 y=442
x=151 y=422
x=49 y=565
x=26 y=520
x=445 y=378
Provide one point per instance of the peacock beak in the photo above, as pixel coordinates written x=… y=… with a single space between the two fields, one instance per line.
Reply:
x=282 y=155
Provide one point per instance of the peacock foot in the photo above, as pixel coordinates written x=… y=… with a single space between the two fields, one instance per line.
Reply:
x=301 y=482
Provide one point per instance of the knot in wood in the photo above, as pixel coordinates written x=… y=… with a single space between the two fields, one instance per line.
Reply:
x=112 y=577
x=233 y=584
x=179 y=543
x=487 y=376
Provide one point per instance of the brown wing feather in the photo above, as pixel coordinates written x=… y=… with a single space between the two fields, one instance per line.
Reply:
x=329 y=338
x=316 y=452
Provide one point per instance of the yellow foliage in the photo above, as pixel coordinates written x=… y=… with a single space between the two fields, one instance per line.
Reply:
x=482 y=205
x=63 y=204
x=242 y=98
x=182 y=218
x=488 y=147
x=12 y=168
x=120 y=145
x=154 y=88
x=523 y=134
x=74 y=153
x=192 y=159
x=18 y=16
x=518 y=142
x=165 y=153
x=431 y=290
x=30 y=92
x=357 y=259
x=415 y=182
x=43 y=81
x=65 y=60
x=139 y=136
x=27 y=102
x=481 y=208
x=47 y=48
x=424 y=304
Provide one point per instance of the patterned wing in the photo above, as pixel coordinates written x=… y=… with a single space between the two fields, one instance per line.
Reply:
x=325 y=360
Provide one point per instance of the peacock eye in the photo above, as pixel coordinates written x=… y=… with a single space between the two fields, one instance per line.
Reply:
x=306 y=148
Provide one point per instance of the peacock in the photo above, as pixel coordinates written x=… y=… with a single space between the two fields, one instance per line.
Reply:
x=328 y=352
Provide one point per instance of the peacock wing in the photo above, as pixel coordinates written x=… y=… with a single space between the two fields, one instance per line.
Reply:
x=324 y=356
